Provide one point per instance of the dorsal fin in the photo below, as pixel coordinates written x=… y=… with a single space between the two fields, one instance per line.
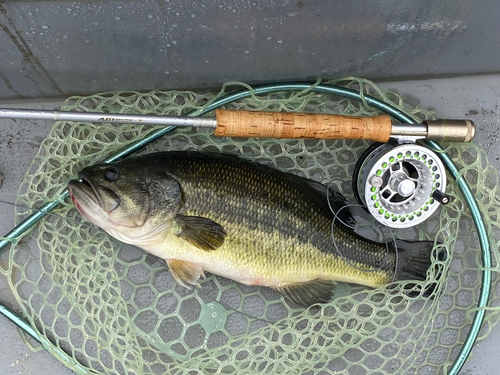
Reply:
x=324 y=194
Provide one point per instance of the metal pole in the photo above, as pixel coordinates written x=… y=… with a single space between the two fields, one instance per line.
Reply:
x=409 y=130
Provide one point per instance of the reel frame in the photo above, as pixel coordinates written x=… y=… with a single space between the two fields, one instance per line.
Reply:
x=401 y=185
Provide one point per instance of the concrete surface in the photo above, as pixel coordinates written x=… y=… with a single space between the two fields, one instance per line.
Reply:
x=19 y=142
x=66 y=47
x=474 y=97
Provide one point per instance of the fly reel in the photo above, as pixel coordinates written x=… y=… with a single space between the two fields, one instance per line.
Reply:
x=401 y=185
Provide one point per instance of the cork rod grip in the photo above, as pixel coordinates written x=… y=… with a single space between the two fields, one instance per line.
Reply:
x=232 y=123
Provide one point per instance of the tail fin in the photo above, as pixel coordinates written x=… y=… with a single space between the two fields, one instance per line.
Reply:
x=414 y=259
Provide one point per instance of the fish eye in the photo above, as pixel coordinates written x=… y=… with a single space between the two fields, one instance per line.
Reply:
x=111 y=174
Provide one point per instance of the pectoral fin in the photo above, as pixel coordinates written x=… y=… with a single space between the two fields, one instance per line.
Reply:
x=201 y=232
x=310 y=292
x=185 y=271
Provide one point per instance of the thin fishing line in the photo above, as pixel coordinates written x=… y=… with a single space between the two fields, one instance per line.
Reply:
x=335 y=218
x=368 y=224
x=396 y=252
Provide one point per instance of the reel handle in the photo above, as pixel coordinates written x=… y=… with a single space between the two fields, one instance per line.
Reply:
x=231 y=123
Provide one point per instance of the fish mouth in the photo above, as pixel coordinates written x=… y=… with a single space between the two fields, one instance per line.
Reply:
x=91 y=191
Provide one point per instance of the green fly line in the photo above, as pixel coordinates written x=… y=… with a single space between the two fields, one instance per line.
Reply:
x=114 y=309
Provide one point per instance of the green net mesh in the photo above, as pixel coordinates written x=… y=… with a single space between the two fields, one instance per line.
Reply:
x=117 y=310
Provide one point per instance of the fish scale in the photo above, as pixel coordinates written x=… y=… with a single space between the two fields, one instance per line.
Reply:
x=308 y=223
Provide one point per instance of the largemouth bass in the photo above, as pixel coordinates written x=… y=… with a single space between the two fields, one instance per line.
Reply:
x=241 y=220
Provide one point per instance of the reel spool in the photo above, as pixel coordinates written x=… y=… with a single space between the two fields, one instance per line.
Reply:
x=402 y=185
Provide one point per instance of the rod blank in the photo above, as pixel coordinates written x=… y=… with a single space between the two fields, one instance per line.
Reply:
x=114 y=118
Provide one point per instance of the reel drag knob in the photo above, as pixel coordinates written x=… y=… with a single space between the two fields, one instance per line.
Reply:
x=402 y=185
x=441 y=197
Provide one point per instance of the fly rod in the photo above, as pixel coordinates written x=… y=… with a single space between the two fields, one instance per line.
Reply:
x=236 y=123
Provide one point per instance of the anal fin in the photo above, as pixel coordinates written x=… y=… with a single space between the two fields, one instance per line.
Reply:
x=185 y=271
x=310 y=292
